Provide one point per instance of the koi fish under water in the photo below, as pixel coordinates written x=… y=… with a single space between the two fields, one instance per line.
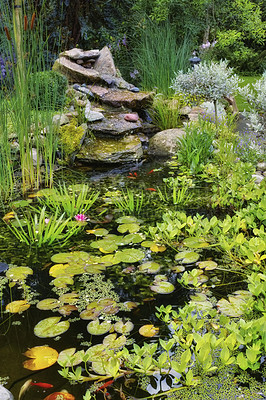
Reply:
x=151 y=189
x=42 y=385
x=105 y=385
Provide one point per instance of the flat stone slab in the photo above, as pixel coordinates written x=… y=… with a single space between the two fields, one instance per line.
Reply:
x=126 y=98
x=75 y=72
x=111 y=150
x=115 y=125
x=79 y=54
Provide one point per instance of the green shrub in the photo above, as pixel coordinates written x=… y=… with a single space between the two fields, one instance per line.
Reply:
x=47 y=90
x=195 y=148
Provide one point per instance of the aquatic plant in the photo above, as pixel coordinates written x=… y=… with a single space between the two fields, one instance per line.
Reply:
x=165 y=112
x=195 y=147
x=72 y=200
x=34 y=229
x=130 y=202
x=175 y=192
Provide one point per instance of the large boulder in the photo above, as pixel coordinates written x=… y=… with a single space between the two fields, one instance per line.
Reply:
x=105 y=63
x=111 y=150
x=165 y=143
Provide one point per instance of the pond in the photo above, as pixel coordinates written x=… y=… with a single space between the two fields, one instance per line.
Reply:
x=111 y=285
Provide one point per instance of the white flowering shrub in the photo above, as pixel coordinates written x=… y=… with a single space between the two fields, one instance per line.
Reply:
x=212 y=81
x=255 y=96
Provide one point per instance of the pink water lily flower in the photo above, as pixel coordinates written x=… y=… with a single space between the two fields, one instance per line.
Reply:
x=80 y=217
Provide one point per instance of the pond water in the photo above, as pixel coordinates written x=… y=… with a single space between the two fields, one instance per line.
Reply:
x=16 y=330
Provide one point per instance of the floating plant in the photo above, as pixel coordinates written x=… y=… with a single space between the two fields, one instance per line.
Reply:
x=129 y=227
x=148 y=330
x=98 y=328
x=51 y=327
x=17 y=306
x=113 y=342
x=161 y=286
x=48 y=304
x=235 y=306
x=151 y=267
x=40 y=357
x=70 y=357
x=123 y=327
x=18 y=273
x=187 y=257
x=207 y=265
x=195 y=243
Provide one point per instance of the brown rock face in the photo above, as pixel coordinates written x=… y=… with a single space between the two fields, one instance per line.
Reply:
x=115 y=125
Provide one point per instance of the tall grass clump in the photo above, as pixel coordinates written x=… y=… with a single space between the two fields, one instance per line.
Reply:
x=7 y=177
x=36 y=134
x=158 y=55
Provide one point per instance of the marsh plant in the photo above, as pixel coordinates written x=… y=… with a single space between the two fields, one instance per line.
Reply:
x=158 y=55
x=165 y=112
x=195 y=148
x=175 y=191
x=40 y=228
x=26 y=90
x=72 y=200
x=130 y=202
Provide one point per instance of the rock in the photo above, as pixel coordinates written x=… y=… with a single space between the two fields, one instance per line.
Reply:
x=79 y=54
x=75 y=72
x=115 y=125
x=36 y=159
x=60 y=119
x=134 y=89
x=195 y=112
x=258 y=178
x=185 y=110
x=105 y=63
x=131 y=117
x=5 y=394
x=92 y=115
x=110 y=150
x=98 y=91
x=261 y=166
x=125 y=98
x=165 y=143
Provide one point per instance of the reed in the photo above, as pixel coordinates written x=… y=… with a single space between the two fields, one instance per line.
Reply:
x=159 y=55
x=36 y=134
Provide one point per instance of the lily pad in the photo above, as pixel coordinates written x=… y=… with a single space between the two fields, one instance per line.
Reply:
x=96 y=353
x=133 y=238
x=40 y=357
x=62 y=281
x=51 y=327
x=148 y=330
x=123 y=327
x=18 y=273
x=208 y=265
x=162 y=287
x=92 y=311
x=57 y=270
x=195 y=242
x=113 y=342
x=187 y=257
x=69 y=298
x=127 y=219
x=131 y=228
x=98 y=328
x=70 y=357
x=129 y=255
x=150 y=267
x=17 y=306
x=233 y=307
x=178 y=268
x=98 y=232
x=48 y=304
x=67 y=309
